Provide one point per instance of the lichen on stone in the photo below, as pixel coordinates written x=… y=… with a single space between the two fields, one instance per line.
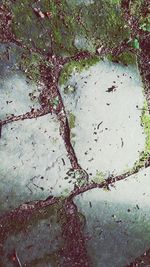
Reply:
x=99 y=177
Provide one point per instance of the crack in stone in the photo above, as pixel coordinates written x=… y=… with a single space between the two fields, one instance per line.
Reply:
x=107 y=183
x=74 y=252
x=50 y=77
x=29 y=115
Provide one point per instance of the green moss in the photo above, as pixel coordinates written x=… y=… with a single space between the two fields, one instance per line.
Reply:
x=69 y=89
x=71 y=120
x=30 y=65
x=77 y=66
x=77 y=176
x=54 y=102
x=101 y=23
x=145 y=23
x=126 y=58
x=145 y=120
x=105 y=23
x=99 y=177
x=73 y=136
x=82 y=219
x=146 y=124
x=55 y=31
x=115 y=1
x=65 y=193
x=136 y=8
x=80 y=181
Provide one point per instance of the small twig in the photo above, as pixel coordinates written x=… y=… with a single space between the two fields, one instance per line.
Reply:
x=17 y=258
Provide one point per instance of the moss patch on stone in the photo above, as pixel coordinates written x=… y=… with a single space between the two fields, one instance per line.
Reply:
x=105 y=23
x=136 y=8
x=69 y=89
x=126 y=58
x=54 y=25
x=30 y=65
x=76 y=66
x=48 y=25
x=99 y=177
x=145 y=120
x=146 y=124
x=71 y=120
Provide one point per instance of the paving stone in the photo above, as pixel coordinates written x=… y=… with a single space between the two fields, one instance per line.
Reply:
x=106 y=103
x=33 y=158
x=117 y=228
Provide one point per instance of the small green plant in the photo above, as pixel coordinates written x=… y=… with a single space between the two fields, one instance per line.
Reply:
x=80 y=182
x=99 y=177
x=71 y=120
x=145 y=120
x=78 y=176
x=145 y=24
x=54 y=102
x=69 y=89
x=136 y=44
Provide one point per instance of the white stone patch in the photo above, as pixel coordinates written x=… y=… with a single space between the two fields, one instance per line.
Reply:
x=17 y=96
x=108 y=135
x=33 y=158
x=118 y=221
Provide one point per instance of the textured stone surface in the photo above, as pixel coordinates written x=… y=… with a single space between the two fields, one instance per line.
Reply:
x=110 y=132
x=33 y=159
x=117 y=225
x=106 y=103
x=36 y=244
